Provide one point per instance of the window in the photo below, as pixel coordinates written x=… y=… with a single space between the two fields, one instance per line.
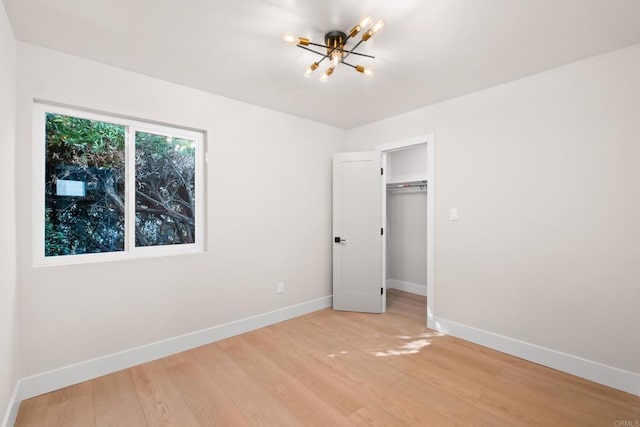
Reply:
x=111 y=188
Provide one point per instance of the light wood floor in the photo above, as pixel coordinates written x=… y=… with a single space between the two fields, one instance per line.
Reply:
x=334 y=368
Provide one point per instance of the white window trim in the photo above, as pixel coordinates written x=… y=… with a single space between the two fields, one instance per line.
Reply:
x=130 y=250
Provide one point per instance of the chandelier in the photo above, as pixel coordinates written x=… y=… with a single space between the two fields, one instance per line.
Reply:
x=335 y=43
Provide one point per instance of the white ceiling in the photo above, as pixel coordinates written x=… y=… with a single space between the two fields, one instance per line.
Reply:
x=429 y=50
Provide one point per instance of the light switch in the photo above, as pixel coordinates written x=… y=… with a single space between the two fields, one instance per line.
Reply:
x=453 y=214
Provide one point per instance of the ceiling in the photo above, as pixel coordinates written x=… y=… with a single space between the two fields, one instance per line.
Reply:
x=428 y=51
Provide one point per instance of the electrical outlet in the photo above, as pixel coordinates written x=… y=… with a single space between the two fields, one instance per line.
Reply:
x=280 y=288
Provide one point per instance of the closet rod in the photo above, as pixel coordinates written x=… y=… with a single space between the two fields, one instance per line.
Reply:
x=420 y=184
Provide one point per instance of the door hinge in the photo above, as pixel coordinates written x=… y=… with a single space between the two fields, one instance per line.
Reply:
x=382 y=231
x=381 y=171
x=381 y=291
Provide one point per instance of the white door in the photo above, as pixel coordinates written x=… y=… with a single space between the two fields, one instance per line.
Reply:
x=357 y=222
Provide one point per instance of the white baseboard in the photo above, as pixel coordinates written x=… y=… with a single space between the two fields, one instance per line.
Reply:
x=68 y=375
x=412 y=288
x=12 y=408
x=590 y=370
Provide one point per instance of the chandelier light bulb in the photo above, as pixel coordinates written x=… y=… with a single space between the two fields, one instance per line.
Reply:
x=293 y=40
x=335 y=58
x=366 y=71
x=359 y=26
x=326 y=74
x=311 y=69
x=290 y=39
x=377 y=26
x=365 y=21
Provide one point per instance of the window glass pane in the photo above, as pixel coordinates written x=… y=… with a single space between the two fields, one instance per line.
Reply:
x=84 y=186
x=165 y=190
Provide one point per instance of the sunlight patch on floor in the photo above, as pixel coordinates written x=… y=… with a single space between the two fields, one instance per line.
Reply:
x=412 y=347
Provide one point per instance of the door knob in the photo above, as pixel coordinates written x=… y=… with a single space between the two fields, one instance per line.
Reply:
x=338 y=240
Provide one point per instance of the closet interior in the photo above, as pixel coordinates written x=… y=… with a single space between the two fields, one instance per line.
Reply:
x=406 y=220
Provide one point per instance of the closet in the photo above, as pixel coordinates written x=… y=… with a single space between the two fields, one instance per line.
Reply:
x=406 y=219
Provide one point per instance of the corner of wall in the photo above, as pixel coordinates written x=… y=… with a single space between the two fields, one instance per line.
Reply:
x=8 y=266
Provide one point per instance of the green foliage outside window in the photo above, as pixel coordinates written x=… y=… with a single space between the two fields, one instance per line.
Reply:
x=92 y=153
x=165 y=191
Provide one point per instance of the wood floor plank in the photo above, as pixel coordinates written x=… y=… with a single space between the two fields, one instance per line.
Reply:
x=257 y=404
x=374 y=415
x=33 y=412
x=462 y=412
x=441 y=378
x=116 y=401
x=371 y=339
x=336 y=368
x=369 y=376
x=161 y=401
x=281 y=351
x=71 y=407
x=325 y=343
x=551 y=403
x=208 y=402
x=300 y=400
x=523 y=405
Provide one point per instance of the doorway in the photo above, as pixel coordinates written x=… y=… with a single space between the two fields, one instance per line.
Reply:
x=408 y=201
x=359 y=219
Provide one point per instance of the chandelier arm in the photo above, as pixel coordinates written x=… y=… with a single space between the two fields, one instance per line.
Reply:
x=343 y=50
x=352 y=49
x=320 y=45
x=349 y=52
x=350 y=65
x=314 y=51
x=346 y=40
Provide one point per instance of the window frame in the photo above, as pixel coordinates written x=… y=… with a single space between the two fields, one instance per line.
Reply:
x=132 y=126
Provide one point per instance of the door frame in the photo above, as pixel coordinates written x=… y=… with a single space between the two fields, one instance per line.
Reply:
x=388 y=147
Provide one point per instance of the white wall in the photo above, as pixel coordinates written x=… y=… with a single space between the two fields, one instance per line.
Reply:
x=544 y=172
x=269 y=220
x=7 y=213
